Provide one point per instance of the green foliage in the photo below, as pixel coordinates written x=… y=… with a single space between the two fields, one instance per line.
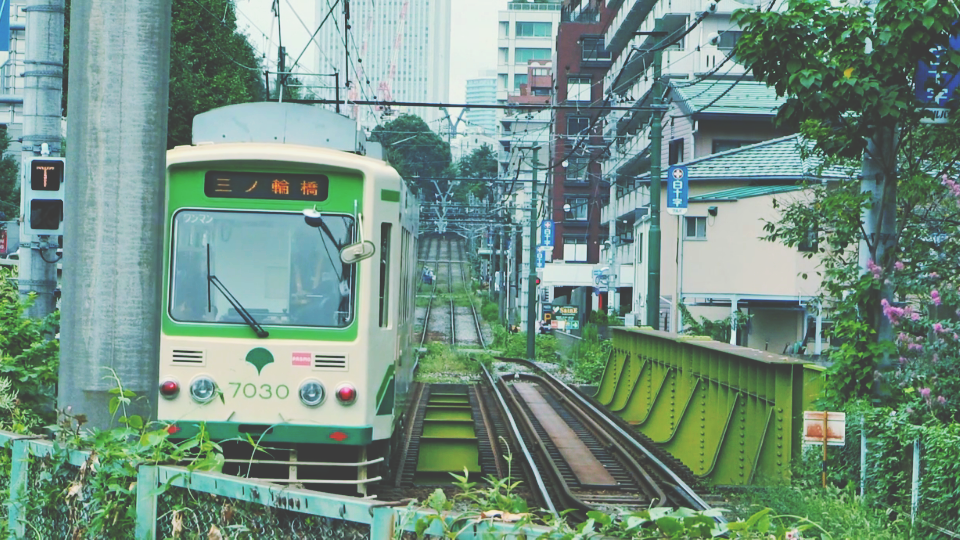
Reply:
x=441 y=363
x=490 y=312
x=847 y=74
x=593 y=356
x=602 y=318
x=715 y=330
x=29 y=362
x=481 y=163
x=418 y=154
x=9 y=181
x=97 y=499
x=211 y=64
x=515 y=345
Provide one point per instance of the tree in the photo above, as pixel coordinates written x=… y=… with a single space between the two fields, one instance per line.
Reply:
x=211 y=64
x=418 y=154
x=481 y=163
x=848 y=74
x=9 y=173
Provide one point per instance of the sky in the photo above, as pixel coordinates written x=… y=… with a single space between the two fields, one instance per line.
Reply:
x=473 y=33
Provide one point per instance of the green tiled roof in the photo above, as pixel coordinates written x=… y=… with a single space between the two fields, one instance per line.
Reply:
x=745 y=193
x=746 y=97
x=777 y=160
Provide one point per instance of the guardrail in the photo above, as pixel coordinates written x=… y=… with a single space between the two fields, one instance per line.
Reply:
x=326 y=515
x=733 y=415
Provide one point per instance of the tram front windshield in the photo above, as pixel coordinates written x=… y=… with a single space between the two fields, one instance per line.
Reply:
x=279 y=269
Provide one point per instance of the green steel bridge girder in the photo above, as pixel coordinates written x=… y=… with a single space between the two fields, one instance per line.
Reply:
x=733 y=415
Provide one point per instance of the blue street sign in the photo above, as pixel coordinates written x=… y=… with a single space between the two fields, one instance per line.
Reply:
x=934 y=86
x=546 y=233
x=5 y=25
x=541 y=259
x=678 y=190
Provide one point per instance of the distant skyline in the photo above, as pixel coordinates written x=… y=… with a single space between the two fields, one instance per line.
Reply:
x=473 y=35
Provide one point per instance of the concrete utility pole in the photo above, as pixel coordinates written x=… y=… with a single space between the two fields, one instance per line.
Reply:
x=117 y=135
x=42 y=91
x=653 y=274
x=504 y=279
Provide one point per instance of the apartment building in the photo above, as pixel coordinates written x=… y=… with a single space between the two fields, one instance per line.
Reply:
x=526 y=31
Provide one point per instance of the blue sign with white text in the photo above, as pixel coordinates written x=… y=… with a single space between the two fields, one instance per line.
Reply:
x=935 y=86
x=541 y=259
x=546 y=232
x=678 y=190
x=4 y=25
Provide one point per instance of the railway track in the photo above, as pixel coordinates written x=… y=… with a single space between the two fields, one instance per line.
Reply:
x=586 y=460
x=455 y=321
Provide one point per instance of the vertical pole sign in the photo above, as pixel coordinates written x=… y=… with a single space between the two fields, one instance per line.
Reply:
x=935 y=86
x=4 y=25
x=43 y=197
x=678 y=193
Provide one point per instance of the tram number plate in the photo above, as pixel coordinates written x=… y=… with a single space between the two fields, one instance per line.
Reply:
x=262 y=391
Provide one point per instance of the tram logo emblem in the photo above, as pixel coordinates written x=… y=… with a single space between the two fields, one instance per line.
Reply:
x=259 y=357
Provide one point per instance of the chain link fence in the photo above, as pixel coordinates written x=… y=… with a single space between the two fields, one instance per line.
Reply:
x=6 y=460
x=182 y=513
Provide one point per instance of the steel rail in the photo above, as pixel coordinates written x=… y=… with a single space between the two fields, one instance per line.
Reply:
x=453 y=323
x=518 y=441
x=426 y=316
x=683 y=488
x=610 y=442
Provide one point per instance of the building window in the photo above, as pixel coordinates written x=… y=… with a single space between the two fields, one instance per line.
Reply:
x=518 y=79
x=639 y=249
x=810 y=242
x=729 y=39
x=522 y=55
x=502 y=55
x=696 y=228
x=577 y=169
x=723 y=145
x=541 y=91
x=676 y=151
x=578 y=89
x=533 y=29
x=574 y=248
x=502 y=81
x=577 y=125
x=504 y=29
x=578 y=209
x=593 y=48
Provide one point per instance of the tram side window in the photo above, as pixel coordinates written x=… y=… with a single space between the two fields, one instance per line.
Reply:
x=385 y=230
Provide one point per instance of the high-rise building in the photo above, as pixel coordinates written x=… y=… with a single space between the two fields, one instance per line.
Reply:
x=526 y=31
x=398 y=50
x=482 y=91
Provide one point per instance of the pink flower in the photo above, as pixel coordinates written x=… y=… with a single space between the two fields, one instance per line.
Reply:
x=891 y=312
x=915 y=347
x=934 y=275
x=938 y=328
x=914 y=316
x=941 y=400
x=874 y=269
x=903 y=360
x=924 y=393
x=935 y=296
x=898 y=266
x=901 y=337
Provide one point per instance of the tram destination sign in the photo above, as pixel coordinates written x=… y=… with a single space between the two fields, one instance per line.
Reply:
x=256 y=185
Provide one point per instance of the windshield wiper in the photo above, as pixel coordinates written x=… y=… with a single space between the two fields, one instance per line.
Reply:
x=247 y=318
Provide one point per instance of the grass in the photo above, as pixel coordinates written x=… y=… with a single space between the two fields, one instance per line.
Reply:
x=441 y=364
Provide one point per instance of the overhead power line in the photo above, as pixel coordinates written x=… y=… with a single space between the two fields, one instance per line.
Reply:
x=512 y=106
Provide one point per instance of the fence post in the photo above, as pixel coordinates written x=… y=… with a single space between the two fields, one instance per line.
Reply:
x=147 y=502
x=863 y=457
x=18 y=482
x=915 y=483
x=383 y=522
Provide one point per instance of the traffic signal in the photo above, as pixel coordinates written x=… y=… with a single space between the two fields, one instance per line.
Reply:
x=538 y=281
x=43 y=196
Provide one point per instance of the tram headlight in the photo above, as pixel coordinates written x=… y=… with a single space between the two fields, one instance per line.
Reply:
x=170 y=388
x=346 y=393
x=312 y=393
x=203 y=389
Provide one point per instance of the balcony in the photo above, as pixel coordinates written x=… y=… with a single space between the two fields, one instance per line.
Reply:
x=588 y=15
x=631 y=206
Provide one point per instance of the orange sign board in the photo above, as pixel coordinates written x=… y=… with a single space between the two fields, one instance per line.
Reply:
x=813 y=428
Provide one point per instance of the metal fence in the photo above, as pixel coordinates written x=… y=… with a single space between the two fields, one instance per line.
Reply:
x=568 y=345
x=173 y=502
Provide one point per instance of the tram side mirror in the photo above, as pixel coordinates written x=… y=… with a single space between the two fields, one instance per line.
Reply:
x=355 y=253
